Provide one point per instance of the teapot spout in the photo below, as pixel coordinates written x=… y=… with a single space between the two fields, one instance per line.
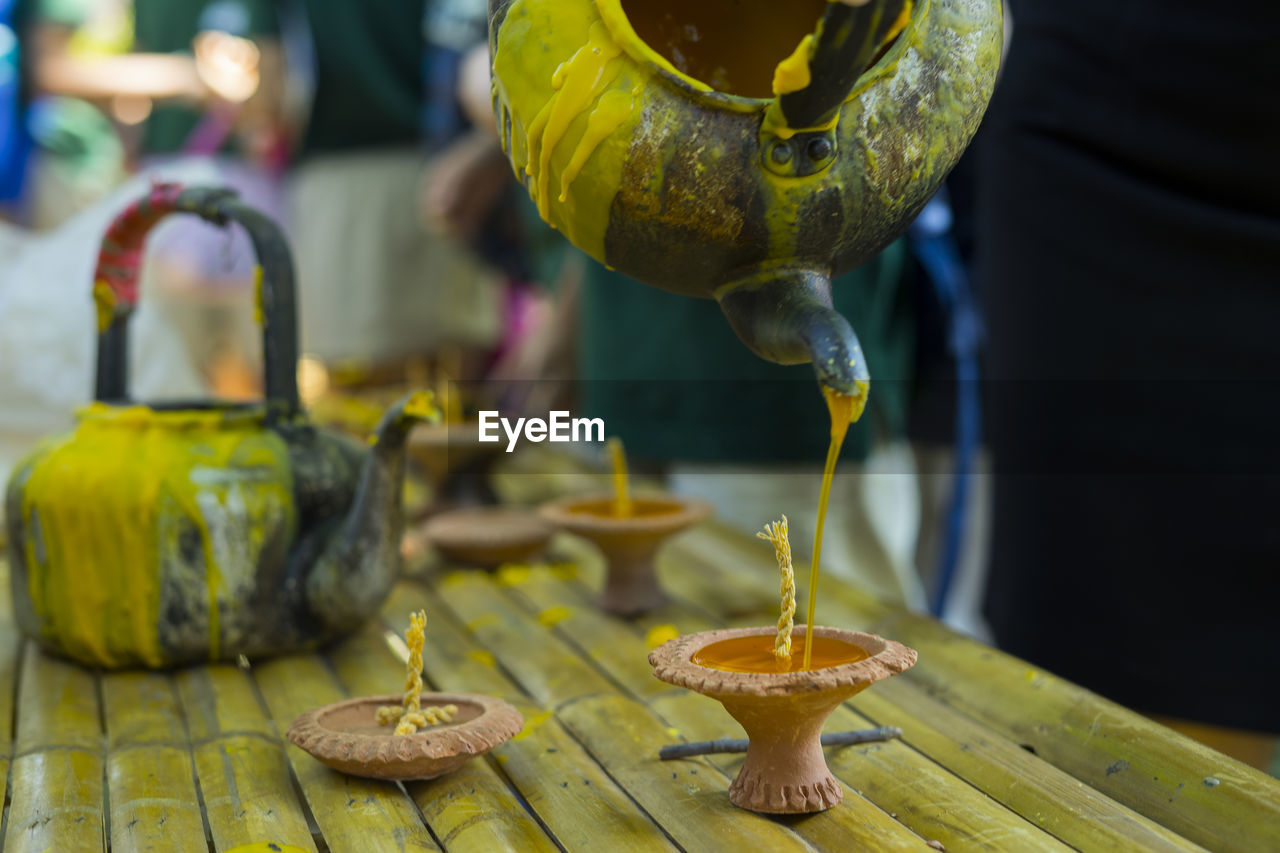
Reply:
x=785 y=316
x=361 y=558
x=813 y=83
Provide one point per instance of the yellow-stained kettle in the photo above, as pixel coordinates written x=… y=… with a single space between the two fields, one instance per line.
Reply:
x=742 y=150
x=156 y=535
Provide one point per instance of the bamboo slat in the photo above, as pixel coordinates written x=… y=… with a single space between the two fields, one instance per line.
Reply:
x=470 y=809
x=244 y=777
x=545 y=668
x=352 y=813
x=1035 y=789
x=56 y=775
x=626 y=651
x=1195 y=791
x=150 y=778
x=616 y=647
x=613 y=645
x=928 y=798
x=572 y=795
x=690 y=800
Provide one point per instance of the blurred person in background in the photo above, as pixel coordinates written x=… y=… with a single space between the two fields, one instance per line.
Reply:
x=114 y=84
x=75 y=80
x=14 y=141
x=204 y=274
x=1129 y=256
x=379 y=297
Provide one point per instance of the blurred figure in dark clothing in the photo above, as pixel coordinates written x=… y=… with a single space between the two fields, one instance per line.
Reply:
x=1129 y=260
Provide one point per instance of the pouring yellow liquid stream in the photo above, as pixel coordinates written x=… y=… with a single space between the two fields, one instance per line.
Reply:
x=845 y=409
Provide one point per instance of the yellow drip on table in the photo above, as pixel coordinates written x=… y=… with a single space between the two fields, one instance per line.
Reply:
x=845 y=409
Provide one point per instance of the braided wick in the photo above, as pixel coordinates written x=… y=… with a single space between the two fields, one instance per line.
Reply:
x=776 y=533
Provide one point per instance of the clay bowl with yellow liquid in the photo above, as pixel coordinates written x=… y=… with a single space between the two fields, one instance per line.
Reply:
x=629 y=543
x=782 y=710
x=346 y=736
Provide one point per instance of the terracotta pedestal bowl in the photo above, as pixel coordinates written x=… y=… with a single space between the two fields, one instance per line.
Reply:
x=455 y=461
x=785 y=771
x=346 y=736
x=629 y=543
x=488 y=536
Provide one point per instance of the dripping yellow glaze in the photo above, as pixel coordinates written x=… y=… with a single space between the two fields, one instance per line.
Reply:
x=614 y=107
x=421 y=405
x=111 y=501
x=566 y=113
x=844 y=409
x=576 y=84
x=258 y=314
x=792 y=73
x=104 y=302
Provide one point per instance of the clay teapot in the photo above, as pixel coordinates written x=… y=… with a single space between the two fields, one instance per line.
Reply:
x=742 y=150
x=163 y=534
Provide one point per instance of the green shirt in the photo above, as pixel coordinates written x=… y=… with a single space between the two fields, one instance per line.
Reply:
x=368 y=74
x=169 y=26
x=669 y=375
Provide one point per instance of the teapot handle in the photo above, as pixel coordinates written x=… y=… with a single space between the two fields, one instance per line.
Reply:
x=115 y=286
x=838 y=59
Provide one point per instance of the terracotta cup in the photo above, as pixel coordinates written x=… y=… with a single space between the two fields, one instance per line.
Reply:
x=456 y=462
x=629 y=543
x=783 y=713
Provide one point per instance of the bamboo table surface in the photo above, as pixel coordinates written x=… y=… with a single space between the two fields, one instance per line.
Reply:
x=996 y=754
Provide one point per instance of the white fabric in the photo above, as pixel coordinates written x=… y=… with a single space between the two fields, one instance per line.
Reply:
x=48 y=336
x=374 y=286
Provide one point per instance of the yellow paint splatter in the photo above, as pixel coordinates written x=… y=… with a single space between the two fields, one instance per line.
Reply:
x=422 y=405
x=565 y=571
x=659 y=634
x=513 y=574
x=104 y=300
x=792 y=73
x=553 y=616
x=259 y=316
x=532 y=723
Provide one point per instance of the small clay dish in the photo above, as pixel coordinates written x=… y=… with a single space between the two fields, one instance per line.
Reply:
x=346 y=736
x=444 y=447
x=488 y=536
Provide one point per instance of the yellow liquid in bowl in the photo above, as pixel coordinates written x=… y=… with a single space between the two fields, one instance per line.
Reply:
x=755 y=654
